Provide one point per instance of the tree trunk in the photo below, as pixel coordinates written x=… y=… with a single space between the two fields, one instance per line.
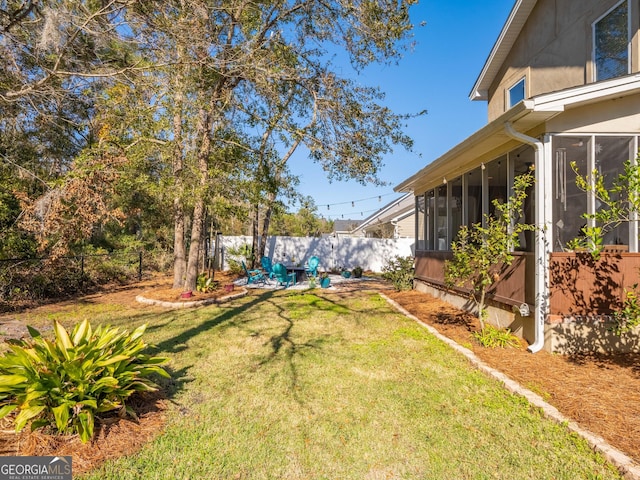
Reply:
x=203 y=132
x=255 y=226
x=266 y=222
x=179 y=261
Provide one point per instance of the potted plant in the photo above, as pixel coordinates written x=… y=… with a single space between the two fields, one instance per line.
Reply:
x=324 y=279
x=345 y=273
x=357 y=272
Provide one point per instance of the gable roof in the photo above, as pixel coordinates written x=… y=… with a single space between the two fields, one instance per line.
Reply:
x=345 y=225
x=392 y=211
x=510 y=31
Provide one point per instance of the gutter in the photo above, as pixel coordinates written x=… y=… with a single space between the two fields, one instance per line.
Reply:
x=541 y=250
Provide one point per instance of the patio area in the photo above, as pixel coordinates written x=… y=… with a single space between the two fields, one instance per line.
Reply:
x=272 y=284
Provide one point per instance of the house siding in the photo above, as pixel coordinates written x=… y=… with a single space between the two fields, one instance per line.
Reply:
x=554 y=49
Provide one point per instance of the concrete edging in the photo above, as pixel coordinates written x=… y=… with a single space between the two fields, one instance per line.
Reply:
x=193 y=304
x=627 y=467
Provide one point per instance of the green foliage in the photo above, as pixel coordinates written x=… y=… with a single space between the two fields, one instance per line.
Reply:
x=482 y=251
x=629 y=316
x=618 y=204
x=492 y=337
x=64 y=383
x=399 y=271
x=205 y=284
x=357 y=272
x=237 y=255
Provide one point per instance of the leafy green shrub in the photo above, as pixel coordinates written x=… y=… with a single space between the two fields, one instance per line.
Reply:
x=357 y=272
x=64 y=383
x=205 y=284
x=492 y=337
x=399 y=271
x=629 y=316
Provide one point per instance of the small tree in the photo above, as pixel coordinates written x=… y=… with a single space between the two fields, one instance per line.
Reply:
x=481 y=252
x=618 y=204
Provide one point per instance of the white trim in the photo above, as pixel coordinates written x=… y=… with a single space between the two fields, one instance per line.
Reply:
x=510 y=103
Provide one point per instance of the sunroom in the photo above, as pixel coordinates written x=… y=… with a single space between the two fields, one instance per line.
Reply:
x=554 y=298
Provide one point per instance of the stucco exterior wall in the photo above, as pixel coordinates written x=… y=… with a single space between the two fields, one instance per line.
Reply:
x=554 y=49
x=610 y=116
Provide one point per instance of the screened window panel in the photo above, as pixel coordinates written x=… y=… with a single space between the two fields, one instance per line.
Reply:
x=569 y=202
x=420 y=223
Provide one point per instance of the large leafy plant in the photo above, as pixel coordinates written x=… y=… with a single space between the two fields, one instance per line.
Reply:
x=65 y=382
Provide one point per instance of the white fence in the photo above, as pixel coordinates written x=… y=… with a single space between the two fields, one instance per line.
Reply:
x=333 y=252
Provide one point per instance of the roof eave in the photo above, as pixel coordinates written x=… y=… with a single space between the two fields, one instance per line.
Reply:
x=508 y=35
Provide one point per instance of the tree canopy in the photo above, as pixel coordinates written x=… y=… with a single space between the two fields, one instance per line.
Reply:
x=133 y=116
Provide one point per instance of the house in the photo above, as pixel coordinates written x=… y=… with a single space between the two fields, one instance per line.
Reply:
x=562 y=86
x=394 y=220
x=343 y=228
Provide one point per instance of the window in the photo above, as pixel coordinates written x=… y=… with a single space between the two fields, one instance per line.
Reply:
x=455 y=207
x=441 y=219
x=522 y=159
x=569 y=201
x=420 y=225
x=611 y=43
x=610 y=155
x=516 y=93
x=430 y=219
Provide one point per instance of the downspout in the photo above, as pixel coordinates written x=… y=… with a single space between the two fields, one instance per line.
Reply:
x=541 y=250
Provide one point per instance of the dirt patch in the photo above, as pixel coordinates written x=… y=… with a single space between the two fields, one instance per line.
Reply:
x=601 y=392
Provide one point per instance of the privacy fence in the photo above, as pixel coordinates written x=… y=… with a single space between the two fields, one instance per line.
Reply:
x=334 y=252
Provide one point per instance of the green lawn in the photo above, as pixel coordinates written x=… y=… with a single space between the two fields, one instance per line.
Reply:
x=301 y=385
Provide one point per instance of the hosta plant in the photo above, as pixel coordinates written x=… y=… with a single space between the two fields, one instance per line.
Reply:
x=66 y=382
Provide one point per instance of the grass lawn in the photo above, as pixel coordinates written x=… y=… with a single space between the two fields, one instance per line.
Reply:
x=293 y=385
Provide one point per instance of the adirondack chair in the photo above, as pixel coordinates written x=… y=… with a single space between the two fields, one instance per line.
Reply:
x=312 y=267
x=282 y=277
x=267 y=266
x=254 y=276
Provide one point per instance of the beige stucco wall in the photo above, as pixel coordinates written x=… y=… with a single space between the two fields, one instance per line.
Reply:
x=554 y=49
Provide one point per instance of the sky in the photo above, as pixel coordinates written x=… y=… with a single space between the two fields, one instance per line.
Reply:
x=437 y=75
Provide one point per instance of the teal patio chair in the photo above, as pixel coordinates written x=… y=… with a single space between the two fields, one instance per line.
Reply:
x=312 y=267
x=254 y=276
x=267 y=266
x=282 y=277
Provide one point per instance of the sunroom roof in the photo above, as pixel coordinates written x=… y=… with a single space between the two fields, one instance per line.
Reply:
x=492 y=140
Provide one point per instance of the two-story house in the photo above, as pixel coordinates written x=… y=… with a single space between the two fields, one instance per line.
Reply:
x=562 y=84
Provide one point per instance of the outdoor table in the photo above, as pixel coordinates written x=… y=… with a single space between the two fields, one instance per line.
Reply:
x=300 y=272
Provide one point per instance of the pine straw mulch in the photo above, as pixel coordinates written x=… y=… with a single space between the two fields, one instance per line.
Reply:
x=601 y=392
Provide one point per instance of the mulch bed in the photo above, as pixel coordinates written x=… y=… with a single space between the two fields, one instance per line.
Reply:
x=601 y=392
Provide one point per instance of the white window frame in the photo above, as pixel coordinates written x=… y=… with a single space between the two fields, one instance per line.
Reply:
x=522 y=81
x=594 y=73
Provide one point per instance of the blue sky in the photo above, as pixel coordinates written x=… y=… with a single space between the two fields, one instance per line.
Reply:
x=437 y=75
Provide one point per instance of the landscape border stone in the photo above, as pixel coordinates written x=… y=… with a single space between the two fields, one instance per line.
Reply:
x=627 y=467
x=191 y=304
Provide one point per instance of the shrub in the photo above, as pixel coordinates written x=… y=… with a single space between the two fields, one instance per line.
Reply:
x=64 y=383
x=399 y=271
x=357 y=272
x=492 y=337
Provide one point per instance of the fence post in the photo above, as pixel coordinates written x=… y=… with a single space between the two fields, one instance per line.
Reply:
x=140 y=266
